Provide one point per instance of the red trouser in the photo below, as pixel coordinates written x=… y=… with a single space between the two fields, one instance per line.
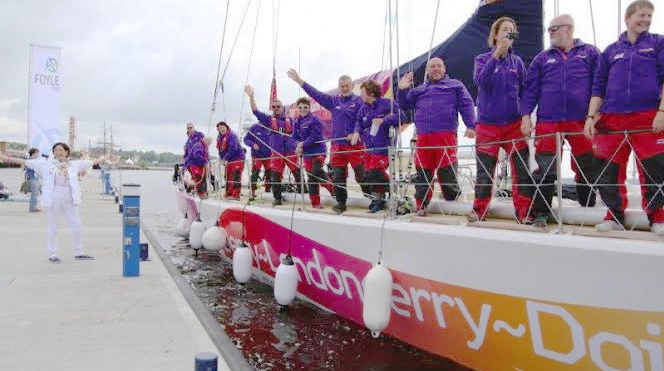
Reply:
x=438 y=161
x=613 y=151
x=198 y=176
x=375 y=172
x=513 y=142
x=342 y=155
x=234 y=178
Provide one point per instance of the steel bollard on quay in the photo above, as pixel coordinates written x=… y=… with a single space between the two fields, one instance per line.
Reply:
x=206 y=361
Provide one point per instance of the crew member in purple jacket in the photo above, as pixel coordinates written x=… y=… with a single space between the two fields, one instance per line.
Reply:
x=559 y=82
x=373 y=121
x=499 y=75
x=343 y=107
x=280 y=127
x=197 y=162
x=308 y=135
x=193 y=136
x=627 y=92
x=437 y=105
x=258 y=139
x=231 y=154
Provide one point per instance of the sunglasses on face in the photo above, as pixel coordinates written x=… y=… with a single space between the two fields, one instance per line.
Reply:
x=553 y=29
x=276 y=106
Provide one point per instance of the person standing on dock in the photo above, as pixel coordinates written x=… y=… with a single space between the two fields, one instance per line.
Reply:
x=343 y=107
x=61 y=194
x=281 y=128
x=558 y=83
x=500 y=75
x=374 y=119
x=33 y=182
x=258 y=139
x=231 y=155
x=437 y=105
x=625 y=114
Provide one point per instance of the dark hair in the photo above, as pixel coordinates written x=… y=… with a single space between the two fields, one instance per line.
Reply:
x=372 y=88
x=32 y=151
x=63 y=145
x=223 y=123
x=304 y=100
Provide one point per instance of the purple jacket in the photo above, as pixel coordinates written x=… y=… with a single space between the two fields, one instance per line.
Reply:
x=195 y=137
x=499 y=87
x=343 y=109
x=229 y=147
x=560 y=85
x=309 y=129
x=629 y=77
x=438 y=105
x=280 y=129
x=381 y=108
x=198 y=155
x=259 y=135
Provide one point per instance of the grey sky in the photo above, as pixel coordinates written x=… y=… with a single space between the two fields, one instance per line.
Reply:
x=149 y=66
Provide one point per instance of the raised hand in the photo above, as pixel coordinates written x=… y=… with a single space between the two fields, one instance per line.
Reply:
x=406 y=81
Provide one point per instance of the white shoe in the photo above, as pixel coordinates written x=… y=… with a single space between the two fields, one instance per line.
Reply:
x=608 y=225
x=657 y=228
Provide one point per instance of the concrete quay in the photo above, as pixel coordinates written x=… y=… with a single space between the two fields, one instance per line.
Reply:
x=84 y=315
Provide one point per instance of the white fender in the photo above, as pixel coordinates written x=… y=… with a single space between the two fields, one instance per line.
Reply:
x=214 y=239
x=377 y=303
x=182 y=228
x=196 y=235
x=242 y=262
x=285 y=282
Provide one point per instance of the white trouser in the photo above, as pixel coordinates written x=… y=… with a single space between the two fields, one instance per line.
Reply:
x=62 y=204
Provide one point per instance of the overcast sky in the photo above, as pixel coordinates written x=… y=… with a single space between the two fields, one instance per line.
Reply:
x=149 y=66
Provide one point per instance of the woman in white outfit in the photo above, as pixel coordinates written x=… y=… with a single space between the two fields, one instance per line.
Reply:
x=61 y=193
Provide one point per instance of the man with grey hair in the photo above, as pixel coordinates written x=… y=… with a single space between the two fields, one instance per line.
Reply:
x=343 y=107
x=559 y=83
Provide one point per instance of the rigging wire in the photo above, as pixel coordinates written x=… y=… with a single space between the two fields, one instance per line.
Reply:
x=217 y=83
x=433 y=31
x=251 y=53
x=220 y=82
x=592 y=21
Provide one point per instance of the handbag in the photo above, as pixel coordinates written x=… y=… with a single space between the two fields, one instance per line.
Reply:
x=25 y=187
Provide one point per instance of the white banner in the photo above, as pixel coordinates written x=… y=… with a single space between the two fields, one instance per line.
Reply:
x=44 y=125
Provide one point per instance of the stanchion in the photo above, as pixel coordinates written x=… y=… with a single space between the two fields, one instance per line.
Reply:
x=206 y=361
x=131 y=229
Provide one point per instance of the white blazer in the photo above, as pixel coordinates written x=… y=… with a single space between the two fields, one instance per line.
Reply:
x=46 y=169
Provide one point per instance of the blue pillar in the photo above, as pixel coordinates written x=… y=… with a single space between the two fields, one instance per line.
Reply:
x=106 y=178
x=206 y=361
x=131 y=229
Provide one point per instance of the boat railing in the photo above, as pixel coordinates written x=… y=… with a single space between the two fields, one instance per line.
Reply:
x=564 y=208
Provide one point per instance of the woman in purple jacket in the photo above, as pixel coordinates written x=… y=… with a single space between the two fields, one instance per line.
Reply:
x=499 y=75
x=231 y=154
x=308 y=134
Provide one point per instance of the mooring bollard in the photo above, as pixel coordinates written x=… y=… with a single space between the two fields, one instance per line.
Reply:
x=206 y=361
x=144 y=251
x=131 y=229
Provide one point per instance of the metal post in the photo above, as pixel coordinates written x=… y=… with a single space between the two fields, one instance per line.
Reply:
x=206 y=361
x=131 y=229
x=302 y=170
x=559 y=178
x=392 y=210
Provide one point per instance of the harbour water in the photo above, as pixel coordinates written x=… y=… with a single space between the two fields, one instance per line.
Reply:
x=301 y=337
